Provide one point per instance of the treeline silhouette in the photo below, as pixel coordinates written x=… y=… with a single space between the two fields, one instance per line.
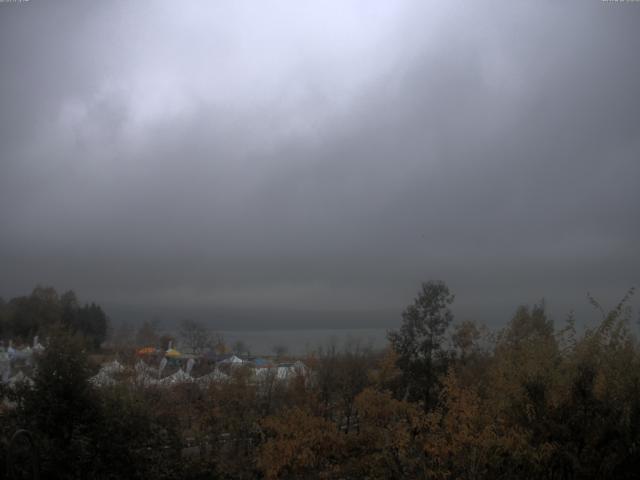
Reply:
x=444 y=400
x=22 y=318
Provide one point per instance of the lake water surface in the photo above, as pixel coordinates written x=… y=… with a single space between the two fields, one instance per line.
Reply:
x=300 y=342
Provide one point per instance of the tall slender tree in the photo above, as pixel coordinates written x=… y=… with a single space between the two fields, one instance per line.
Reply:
x=418 y=342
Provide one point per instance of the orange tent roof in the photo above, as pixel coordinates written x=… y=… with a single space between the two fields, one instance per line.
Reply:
x=146 y=351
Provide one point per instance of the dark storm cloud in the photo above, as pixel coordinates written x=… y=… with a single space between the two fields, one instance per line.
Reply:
x=321 y=157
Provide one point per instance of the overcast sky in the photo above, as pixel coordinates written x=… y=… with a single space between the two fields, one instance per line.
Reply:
x=320 y=157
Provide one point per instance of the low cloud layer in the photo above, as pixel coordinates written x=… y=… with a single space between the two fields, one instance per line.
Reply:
x=320 y=158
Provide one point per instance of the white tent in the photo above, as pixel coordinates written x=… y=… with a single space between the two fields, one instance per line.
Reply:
x=286 y=371
x=214 y=377
x=179 y=377
x=102 y=379
x=105 y=376
x=232 y=360
x=146 y=374
x=113 y=367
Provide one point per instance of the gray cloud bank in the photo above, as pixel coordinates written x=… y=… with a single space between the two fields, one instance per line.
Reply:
x=318 y=160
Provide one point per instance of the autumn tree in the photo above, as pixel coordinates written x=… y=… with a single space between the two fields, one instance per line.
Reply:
x=61 y=406
x=386 y=375
x=325 y=364
x=147 y=334
x=88 y=320
x=465 y=339
x=134 y=436
x=354 y=364
x=529 y=324
x=300 y=445
x=526 y=353
x=419 y=341
x=232 y=413
x=34 y=314
x=195 y=336
x=461 y=438
x=387 y=442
